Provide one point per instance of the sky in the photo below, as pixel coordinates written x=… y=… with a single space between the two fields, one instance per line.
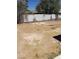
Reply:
x=32 y=4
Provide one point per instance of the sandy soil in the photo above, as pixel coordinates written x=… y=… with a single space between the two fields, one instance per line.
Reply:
x=35 y=40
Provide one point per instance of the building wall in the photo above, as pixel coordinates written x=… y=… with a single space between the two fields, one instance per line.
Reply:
x=39 y=17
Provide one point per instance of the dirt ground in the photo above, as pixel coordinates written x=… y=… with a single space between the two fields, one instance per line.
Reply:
x=35 y=40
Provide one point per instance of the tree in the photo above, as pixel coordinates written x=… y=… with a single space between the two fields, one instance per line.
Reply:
x=41 y=6
x=55 y=6
x=49 y=7
x=21 y=9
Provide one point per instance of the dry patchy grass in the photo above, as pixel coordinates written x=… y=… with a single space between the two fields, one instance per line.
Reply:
x=35 y=40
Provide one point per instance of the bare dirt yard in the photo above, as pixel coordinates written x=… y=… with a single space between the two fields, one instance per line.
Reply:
x=35 y=40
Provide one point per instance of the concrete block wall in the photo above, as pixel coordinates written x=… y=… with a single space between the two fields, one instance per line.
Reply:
x=39 y=17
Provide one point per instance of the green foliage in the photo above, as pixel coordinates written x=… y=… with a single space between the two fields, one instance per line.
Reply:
x=21 y=9
x=48 y=6
x=22 y=6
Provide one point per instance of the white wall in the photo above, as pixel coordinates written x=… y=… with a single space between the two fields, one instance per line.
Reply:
x=30 y=17
x=47 y=17
x=53 y=16
x=39 y=17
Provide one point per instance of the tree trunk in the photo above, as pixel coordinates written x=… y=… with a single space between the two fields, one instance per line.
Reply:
x=19 y=19
x=56 y=17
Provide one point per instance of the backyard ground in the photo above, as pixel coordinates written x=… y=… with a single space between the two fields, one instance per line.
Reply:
x=35 y=40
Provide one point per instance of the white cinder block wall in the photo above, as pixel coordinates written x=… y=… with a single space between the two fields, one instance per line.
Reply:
x=39 y=17
x=30 y=17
